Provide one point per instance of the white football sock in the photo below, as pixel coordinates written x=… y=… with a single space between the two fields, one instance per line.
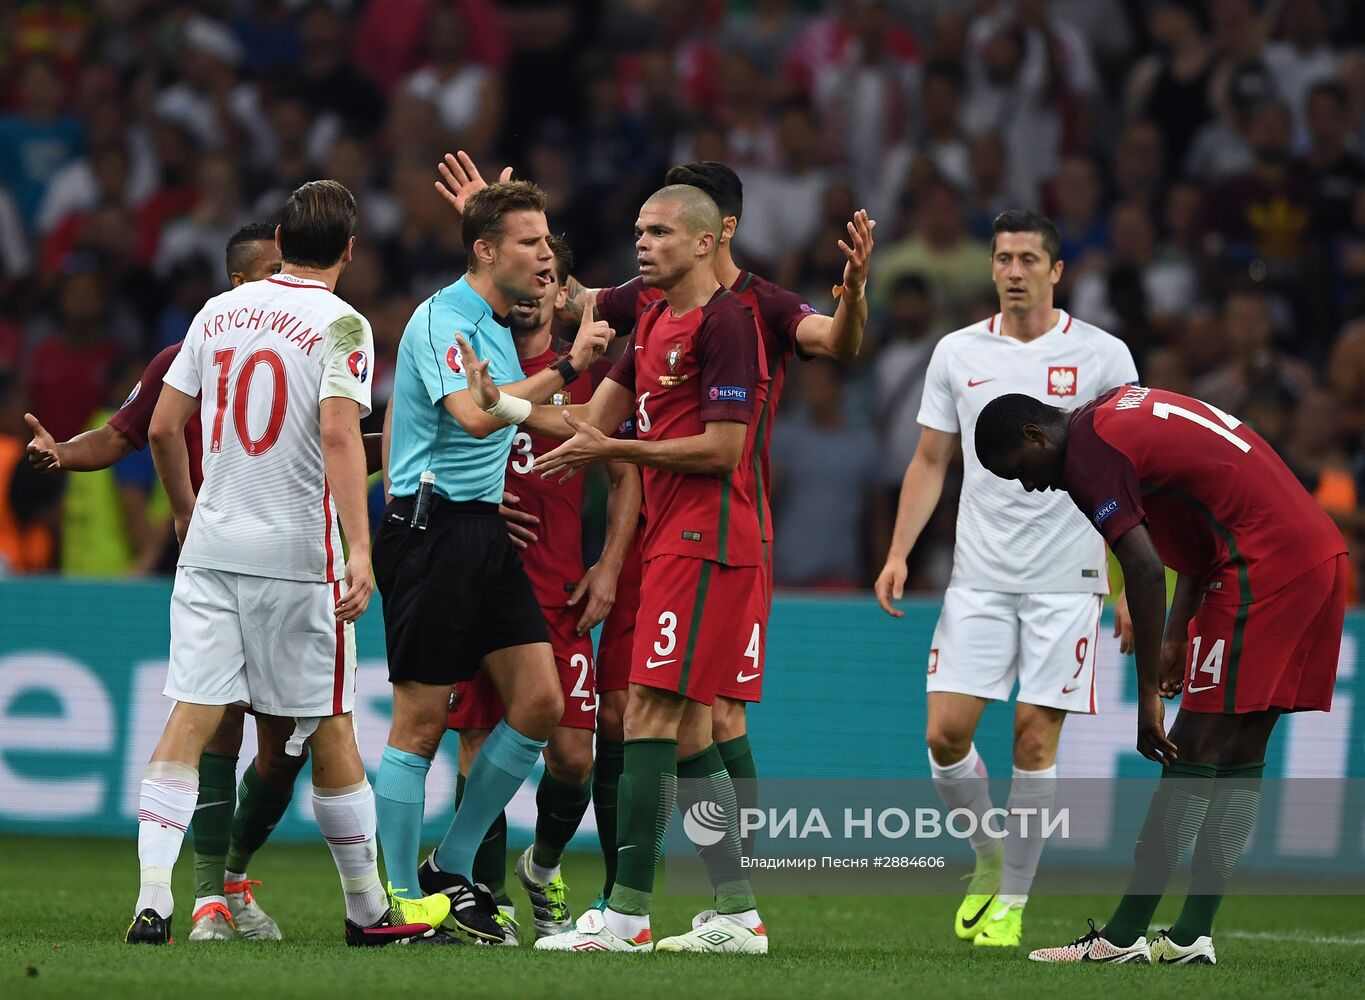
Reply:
x=346 y=818
x=1036 y=790
x=624 y=925
x=965 y=785
x=164 y=811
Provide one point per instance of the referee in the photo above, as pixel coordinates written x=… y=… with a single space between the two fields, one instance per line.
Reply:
x=456 y=597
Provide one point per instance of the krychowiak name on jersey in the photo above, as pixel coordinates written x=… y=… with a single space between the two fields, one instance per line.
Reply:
x=1010 y=540
x=262 y=357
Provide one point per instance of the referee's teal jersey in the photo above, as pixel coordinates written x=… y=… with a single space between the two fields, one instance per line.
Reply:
x=425 y=435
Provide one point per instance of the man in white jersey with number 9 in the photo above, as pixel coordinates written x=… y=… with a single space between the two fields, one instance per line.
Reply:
x=1028 y=570
x=264 y=603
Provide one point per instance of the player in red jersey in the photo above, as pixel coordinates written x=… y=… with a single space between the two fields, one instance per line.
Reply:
x=696 y=372
x=789 y=325
x=1254 y=628
x=574 y=601
x=231 y=823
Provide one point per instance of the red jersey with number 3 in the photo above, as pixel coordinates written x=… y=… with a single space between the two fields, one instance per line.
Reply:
x=778 y=313
x=684 y=372
x=555 y=562
x=1220 y=504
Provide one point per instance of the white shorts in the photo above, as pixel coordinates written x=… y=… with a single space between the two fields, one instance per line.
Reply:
x=985 y=640
x=275 y=645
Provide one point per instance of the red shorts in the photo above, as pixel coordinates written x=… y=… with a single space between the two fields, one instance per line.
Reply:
x=616 y=644
x=746 y=683
x=476 y=705
x=1280 y=651
x=693 y=628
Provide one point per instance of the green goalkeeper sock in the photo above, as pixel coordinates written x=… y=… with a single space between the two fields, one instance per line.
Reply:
x=559 y=809
x=1173 y=820
x=606 y=775
x=703 y=780
x=645 y=802
x=1232 y=814
x=490 y=860
x=739 y=762
x=260 y=808
x=213 y=821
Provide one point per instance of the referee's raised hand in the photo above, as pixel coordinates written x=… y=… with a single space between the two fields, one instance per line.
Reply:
x=481 y=387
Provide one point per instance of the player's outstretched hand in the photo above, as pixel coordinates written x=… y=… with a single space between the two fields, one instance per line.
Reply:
x=599 y=584
x=890 y=586
x=520 y=523
x=1172 y=680
x=587 y=446
x=858 y=250
x=460 y=178
x=359 y=587
x=1123 y=624
x=42 y=450
x=593 y=336
x=1152 y=742
x=481 y=387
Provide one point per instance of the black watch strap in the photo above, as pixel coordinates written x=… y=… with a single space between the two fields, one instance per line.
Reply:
x=566 y=370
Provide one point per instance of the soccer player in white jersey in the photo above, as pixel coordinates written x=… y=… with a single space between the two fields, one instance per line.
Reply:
x=1028 y=570
x=264 y=604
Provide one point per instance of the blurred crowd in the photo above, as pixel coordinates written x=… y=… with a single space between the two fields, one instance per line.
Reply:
x=1202 y=159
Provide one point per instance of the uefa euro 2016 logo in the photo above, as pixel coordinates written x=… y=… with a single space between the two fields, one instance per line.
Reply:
x=359 y=365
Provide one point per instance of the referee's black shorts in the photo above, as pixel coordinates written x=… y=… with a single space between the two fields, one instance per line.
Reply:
x=453 y=593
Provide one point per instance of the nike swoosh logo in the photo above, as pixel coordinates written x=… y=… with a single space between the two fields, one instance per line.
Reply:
x=973 y=383
x=743 y=677
x=1068 y=690
x=1206 y=687
x=625 y=847
x=979 y=914
x=206 y=805
x=639 y=347
x=651 y=663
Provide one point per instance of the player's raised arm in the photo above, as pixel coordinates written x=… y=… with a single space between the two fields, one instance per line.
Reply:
x=841 y=336
x=166 y=435
x=1145 y=578
x=921 y=488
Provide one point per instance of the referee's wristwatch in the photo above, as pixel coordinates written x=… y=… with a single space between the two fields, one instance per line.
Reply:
x=566 y=370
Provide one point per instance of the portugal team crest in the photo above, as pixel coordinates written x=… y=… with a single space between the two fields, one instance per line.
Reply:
x=562 y=398
x=1061 y=380
x=454 y=360
x=674 y=358
x=359 y=365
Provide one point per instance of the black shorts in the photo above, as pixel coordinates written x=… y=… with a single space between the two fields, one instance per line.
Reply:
x=453 y=593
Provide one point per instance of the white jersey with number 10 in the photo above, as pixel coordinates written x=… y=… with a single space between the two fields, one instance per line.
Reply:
x=1010 y=540
x=262 y=357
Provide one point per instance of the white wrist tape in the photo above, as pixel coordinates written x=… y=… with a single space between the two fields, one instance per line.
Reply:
x=513 y=409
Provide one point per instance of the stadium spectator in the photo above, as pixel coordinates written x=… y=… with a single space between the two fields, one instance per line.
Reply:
x=824 y=470
x=467 y=94
x=1173 y=86
x=781 y=205
x=1301 y=58
x=940 y=248
x=69 y=370
x=38 y=138
x=1254 y=361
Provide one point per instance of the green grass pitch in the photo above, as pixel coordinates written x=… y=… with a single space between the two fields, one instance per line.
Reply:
x=64 y=905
